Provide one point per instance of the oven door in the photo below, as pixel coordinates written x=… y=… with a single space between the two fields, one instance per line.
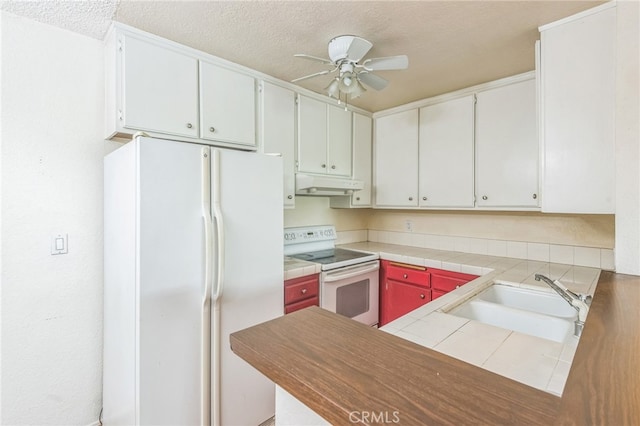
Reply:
x=352 y=291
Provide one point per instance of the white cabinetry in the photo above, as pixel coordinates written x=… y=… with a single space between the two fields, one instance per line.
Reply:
x=396 y=160
x=158 y=88
x=446 y=154
x=578 y=104
x=507 y=149
x=227 y=105
x=172 y=91
x=324 y=138
x=362 y=162
x=278 y=132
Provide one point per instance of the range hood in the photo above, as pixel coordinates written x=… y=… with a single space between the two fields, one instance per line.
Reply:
x=326 y=185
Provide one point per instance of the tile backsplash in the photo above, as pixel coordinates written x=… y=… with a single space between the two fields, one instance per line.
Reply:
x=555 y=253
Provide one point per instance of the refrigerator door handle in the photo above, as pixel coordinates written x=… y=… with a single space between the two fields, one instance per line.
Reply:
x=217 y=216
x=205 y=341
x=218 y=289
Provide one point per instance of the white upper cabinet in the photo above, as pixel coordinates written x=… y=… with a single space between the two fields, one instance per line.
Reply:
x=312 y=135
x=396 y=160
x=507 y=149
x=446 y=154
x=278 y=132
x=159 y=88
x=577 y=106
x=362 y=163
x=171 y=91
x=227 y=105
x=324 y=138
x=338 y=141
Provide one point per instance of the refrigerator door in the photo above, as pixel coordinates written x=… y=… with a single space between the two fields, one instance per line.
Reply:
x=171 y=275
x=250 y=192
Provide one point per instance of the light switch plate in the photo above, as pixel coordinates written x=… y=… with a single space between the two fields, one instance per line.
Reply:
x=60 y=244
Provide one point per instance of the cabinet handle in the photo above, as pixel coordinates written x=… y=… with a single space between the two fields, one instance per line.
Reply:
x=535 y=196
x=333 y=167
x=424 y=198
x=189 y=125
x=323 y=166
x=410 y=198
x=484 y=197
x=290 y=197
x=303 y=291
x=212 y=129
x=405 y=276
x=357 y=198
x=422 y=296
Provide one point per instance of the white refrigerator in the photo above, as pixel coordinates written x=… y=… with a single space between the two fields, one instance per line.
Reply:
x=193 y=252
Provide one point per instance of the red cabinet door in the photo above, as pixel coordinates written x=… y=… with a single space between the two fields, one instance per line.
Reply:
x=400 y=299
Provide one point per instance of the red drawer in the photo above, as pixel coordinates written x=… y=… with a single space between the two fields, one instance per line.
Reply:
x=314 y=301
x=448 y=280
x=296 y=292
x=417 y=275
x=297 y=289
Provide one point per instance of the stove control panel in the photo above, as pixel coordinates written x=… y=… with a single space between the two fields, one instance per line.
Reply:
x=309 y=234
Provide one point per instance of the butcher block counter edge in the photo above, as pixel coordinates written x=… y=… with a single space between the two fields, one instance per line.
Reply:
x=337 y=366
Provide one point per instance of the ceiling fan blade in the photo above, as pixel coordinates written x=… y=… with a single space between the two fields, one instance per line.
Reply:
x=311 y=75
x=400 y=62
x=313 y=58
x=372 y=80
x=358 y=48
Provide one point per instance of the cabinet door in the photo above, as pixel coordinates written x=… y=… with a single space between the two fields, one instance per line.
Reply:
x=312 y=135
x=396 y=160
x=578 y=114
x=362 y=129
x=227 y=105
x=159 y=89
x=338 y=141
x=507 y=151
x=278 y=132
x=401 y=299
x=446 y=154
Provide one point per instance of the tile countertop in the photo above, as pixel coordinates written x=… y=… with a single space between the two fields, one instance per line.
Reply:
x=536 y=362
x=294 y=268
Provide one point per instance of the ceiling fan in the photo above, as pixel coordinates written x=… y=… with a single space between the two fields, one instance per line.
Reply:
x=345 y=57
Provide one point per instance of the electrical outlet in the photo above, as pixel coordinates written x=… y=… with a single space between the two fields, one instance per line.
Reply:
x=408 y=225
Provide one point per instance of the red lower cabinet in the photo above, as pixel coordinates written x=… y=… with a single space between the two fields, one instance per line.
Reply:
x=403 y=288
x=300 y=293
x=402 y=299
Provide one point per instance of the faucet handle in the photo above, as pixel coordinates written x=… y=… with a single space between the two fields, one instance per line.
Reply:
x=586 y=298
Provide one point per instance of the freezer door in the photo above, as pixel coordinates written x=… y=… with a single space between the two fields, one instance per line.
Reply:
x=250 y=191
x=170 y=267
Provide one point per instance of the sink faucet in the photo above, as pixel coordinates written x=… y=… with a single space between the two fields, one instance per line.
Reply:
x=580 y=302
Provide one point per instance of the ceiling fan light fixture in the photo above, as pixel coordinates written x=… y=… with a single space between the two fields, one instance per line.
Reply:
x=333 y=89
x=358 y=89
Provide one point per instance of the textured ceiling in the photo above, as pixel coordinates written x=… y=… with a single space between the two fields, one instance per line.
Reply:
x=450 y=44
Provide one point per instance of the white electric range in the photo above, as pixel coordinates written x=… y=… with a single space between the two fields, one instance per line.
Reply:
x=349 y=279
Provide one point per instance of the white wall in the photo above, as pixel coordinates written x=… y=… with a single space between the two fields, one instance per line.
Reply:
x=627 y=249
x=52 y=151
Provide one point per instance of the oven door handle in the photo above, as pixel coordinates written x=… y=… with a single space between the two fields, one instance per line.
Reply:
x=330 y=277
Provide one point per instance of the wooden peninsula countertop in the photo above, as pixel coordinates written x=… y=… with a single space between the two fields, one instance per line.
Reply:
x=336 y=366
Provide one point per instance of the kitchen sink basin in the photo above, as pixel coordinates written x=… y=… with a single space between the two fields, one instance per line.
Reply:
x=532 y=312
x=542 y=302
